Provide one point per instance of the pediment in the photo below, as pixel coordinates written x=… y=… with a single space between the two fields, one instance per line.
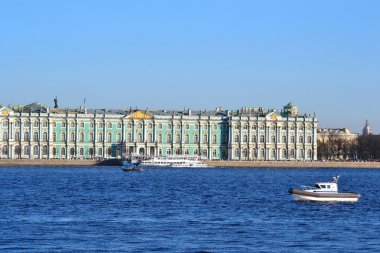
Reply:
x=273 y=116
x=5 y=111
x=140 y=115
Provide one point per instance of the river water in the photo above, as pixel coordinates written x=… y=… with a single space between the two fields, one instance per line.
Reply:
x=103 y=209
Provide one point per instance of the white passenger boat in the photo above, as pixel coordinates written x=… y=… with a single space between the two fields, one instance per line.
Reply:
x=324 y=192
x=175 y=161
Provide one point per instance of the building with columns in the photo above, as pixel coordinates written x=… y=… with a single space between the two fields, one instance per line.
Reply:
x=39 y=132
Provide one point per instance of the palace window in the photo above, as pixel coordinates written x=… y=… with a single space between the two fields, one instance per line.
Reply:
x=262 y=139
x=292 y=139
x=44 y=124
x=17 y=123
x=204 y=154
x=301 y=154
x=63 y=151
x=254 y=139
x=63 y=124
x=309 y=153
x=109 y=137
x=245 y=127
x=245 y=138
x=44 y=150
x=45 y=136
x=160 y=126
x=178 y=127
x=17 y=136
x=100 y=125
x=72 y=124
x=254 y=153
x=35 y=124
x=195 y=152
x=26 y=124
x=236 y=138
x=169 y=126
x=35 y=150
x=91 y=136
x=169 y=138
x=214 y=139
x=262 y=127
x=196 y=140
x=159 y=152
x=81 y=137
x=129 y=137
x=284 y=154
x=178 y=138
x=273 y=139
x=159 y=139
x=109 y=151
x=17 y=150
x=100 y=137
x=26 y=150
x=214 y=127
x=186 y=138
x=186 y=151
x=150 y=126
x=82 y=124
x=91 y=124
x=100 y=152
x=168 y=151
x=214 y=153
x=5 y=150
x=109 y=125
x=81 y=151
x=140 y=138
x=129 y=125
x=309 y=139
x=245 y=153
x=35 y=136
x=301 y=139
x=262 y=153
x=273 y=153
x=283 y=139
x=205 y=126
x=187 y=126
x=118 y=137
x=119 y=125
x=237 y=152
x=301 y=128
x=150 y=137
x=205 y=138
x=72 y=136
x=196 y=126
x=72 y=151
x=54 y=151
x=91 y=152
x=26 y=136
x=292 y=153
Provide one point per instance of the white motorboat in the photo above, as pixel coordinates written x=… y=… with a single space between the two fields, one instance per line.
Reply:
x=323 y=192
x=175 y=161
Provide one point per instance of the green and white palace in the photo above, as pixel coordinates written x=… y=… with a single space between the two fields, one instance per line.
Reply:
x=36 y=131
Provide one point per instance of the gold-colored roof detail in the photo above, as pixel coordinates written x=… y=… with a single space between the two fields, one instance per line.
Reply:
x=140 y=115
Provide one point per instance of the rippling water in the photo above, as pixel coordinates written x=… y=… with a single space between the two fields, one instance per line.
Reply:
x=183 y=210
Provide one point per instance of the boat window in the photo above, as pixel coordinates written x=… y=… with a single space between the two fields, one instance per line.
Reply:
x=323 y=186
x=328 y=187
x=317 y=186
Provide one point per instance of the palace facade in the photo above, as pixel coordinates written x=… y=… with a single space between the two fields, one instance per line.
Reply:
x=39 y=132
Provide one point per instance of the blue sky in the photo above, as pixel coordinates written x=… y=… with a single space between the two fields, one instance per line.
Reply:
x=322 y=55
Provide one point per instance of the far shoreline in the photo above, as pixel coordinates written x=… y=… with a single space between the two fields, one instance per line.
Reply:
x=215 y=164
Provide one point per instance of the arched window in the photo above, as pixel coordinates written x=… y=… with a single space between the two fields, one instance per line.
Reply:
x=214 y=139
x=100 y=152
x=139 y=125
x=245 y=127
x=72 y=136
x=150 y=137
x=54 y=136
x=100 y=137
x=109 y=125
x=237 y=152
x=254 y=138
x=35 y=150
x=160 y=127
x=309 y=154
x=262 y=139
x=26 y=124
x=17 y=123
x=284 y=155
x=91 y=152
x=119 y=125
x=245 y=138
x=186 y=151
x=168 y=151
x=91 y=136
x=26 y=150
x=309 y=139
x=205 y=138
x=44 y=150
x=63 y=124
x=273 y=139
x=236 y=138
x=17 y=150
x=63 y=136
x=262 y=153
x=118 y=152
x=245 y=153
x=301 y=139
x=72 y=151
x=100 y=125
x=159 y=139
x=35 y=124
x=292 y=154
x=159 y=152
x=283 y=139
x=81 y=137
x=129 y=125
x=45 y=136
x=186 y=138
x=214 y=153
x=254 y=153
x=5 y=136
x=178 y=151
x=5 y=150
x=129 y=137
x=178 y=138
x=54 y=151
x=301 y=154
x=81 y=151
x=196 y=139
x=35 y=136
x=63 y=151
x=204 y=154
x=26 y=136
x=195 y=152
x=118 y=137
x=72 y=124
x=292 y=139
x=81 y=124
x=169 y=138
x=17 y=136
x=44 y=124
x=273 y=154
x=109 y=137
x=140 y=138
x=187 y=126
x=109 y=151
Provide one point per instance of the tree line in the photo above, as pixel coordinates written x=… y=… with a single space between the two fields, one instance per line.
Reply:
x=336 y=147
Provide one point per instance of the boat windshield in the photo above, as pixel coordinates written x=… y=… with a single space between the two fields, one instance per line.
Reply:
x=317 y=186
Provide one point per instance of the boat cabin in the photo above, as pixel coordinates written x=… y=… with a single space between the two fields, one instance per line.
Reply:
x=325 y=187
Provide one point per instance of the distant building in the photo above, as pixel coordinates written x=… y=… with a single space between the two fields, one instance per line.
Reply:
x=326 y=134
x=367 y=130
x=36 y=131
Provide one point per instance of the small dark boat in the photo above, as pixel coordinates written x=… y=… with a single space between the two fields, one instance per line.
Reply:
x=130 y=166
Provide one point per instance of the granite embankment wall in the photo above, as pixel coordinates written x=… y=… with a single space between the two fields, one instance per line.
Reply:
x=287 y=164
x=242 y=164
